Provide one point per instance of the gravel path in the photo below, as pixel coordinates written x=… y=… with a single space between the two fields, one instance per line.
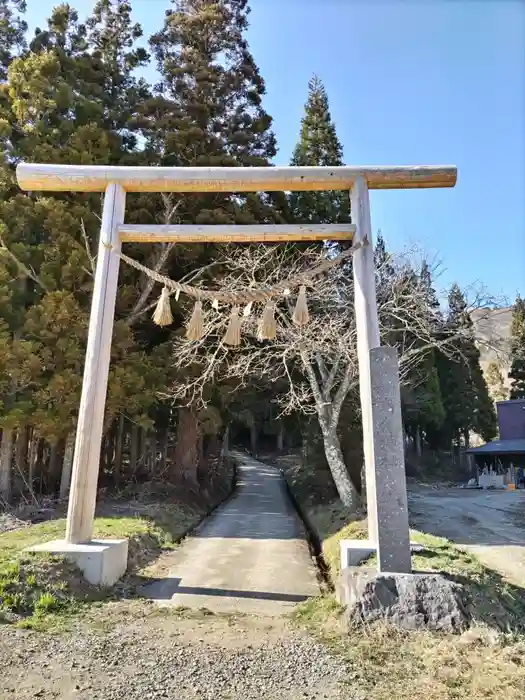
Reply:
x=215 y=658
x=250 y=556
x=490 y=524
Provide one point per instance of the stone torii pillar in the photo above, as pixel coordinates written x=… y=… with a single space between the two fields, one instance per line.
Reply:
x=102 y=561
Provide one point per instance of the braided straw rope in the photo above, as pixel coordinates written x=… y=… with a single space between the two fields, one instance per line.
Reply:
x=247 y=295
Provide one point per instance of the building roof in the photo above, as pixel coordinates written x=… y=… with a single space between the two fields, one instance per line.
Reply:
x=500 y=447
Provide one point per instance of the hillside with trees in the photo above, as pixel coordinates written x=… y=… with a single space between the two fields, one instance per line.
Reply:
x=74 y=93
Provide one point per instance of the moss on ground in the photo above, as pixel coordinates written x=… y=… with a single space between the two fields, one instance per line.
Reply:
x=35 y=588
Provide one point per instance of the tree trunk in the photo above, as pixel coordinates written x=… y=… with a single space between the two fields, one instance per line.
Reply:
x=40 y=461
x=6 y=461
x=119 y=445
x=150 y=453
x=67 y=465
x=164 y=442
x=334 y=456
x=253 y=438
x=33 y=453
x=225 y=442
x=134 y=448
x=188 y=444
x=109 y=448
x=417 y=441
x=280 y=438
x=22 y=445
x=52 y=480
x=141 y=444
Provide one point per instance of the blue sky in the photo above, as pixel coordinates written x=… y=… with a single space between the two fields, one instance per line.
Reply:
x=410 y=82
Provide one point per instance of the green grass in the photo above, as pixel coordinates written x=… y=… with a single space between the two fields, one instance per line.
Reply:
x=36 y=588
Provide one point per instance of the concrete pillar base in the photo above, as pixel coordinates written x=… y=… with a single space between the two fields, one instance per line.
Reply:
x=103 y=562
x=353 y=552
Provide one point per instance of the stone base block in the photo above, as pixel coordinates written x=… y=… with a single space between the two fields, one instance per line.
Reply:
x=353 y=552
x=103 y=562
x=422 y=601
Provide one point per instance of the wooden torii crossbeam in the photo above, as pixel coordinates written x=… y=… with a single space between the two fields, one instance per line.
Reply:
x=114 y=182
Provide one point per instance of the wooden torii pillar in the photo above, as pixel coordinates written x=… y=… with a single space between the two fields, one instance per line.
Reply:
x=104 y=562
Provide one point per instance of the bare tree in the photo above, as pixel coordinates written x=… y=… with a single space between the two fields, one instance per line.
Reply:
x=318 y=361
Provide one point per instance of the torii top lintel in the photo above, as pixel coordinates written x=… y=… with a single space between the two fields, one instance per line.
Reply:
x=33 y=177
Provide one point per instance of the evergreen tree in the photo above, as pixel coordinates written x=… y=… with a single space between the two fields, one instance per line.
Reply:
x=112 y=38
x=207 y=109
x=319 y=145
x=495 y=382
x=72 y=98
x=468 y=406
x=12 y=33
x=517 y=350
x=422 y=403
x=12 y=43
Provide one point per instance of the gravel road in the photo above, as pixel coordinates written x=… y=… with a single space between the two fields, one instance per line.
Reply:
x=490 y=524
x=215 y=658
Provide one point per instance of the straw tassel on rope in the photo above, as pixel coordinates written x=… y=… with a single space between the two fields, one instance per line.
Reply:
x=195 y=328
x=301 y=315
x=162 y=315
x=267 y=325
x=233 y=332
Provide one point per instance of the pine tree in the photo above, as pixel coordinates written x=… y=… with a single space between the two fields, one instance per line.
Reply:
x=517 y=350
x=319 y=145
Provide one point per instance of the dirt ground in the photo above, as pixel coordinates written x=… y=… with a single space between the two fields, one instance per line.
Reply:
x=490 y=524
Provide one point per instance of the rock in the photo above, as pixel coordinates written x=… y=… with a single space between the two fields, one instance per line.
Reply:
x=412 y=601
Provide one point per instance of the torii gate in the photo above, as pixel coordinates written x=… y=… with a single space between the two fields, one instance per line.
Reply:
x=103 y=562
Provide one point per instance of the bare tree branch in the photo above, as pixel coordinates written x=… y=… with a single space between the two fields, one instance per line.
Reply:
x=139 y=309
x=24 y=269
x=314 y=367
x=86 y=246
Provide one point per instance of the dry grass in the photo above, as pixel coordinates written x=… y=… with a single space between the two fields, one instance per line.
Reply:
x=485 y=663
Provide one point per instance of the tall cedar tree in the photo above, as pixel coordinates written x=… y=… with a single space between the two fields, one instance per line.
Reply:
x=517 y=350
x=61 y=112
x=12 y=32
x=319 y=145
x=420 y=392
x=17 y=365
x=468 y=406
x=207 y=111
x=208 y=106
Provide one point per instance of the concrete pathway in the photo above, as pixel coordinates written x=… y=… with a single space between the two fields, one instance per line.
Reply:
x=250 y=556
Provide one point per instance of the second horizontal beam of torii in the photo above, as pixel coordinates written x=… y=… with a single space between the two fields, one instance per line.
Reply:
x=234 y=233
